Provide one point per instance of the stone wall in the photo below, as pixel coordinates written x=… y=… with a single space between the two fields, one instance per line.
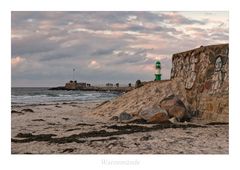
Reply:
x=204 y=75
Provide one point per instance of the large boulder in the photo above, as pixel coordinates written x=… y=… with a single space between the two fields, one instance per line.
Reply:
x=138 y=84
x=175 y=107
x=154 y=114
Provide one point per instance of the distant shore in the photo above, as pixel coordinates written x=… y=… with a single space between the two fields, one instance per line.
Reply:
x=95 y=88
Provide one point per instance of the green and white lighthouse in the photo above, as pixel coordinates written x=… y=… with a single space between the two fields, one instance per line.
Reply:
x=158 y=71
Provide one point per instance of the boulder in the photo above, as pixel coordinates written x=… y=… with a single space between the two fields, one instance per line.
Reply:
x=154 y=114
x=175 y=107
x=124 y=116
x=138 y=84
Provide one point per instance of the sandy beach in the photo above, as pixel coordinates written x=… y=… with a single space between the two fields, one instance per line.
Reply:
x=68 y=127
x=125 y=82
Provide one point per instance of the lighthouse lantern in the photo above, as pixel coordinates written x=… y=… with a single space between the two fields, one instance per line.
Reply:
x=158 y=71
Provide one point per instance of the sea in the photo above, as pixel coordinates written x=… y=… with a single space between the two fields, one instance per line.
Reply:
x=41 y=95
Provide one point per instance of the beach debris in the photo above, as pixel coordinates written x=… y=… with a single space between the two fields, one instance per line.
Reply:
x=27 y=110
x=69 y=130
x=154 y=114
x=81 y=137
x=68 y=150
x=84 y=124
x=38 y=120
x=17 y=112
x=14 y=111
x=65 y=118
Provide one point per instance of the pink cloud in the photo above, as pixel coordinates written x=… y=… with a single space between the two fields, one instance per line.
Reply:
x=17 y=60
x=94 y=64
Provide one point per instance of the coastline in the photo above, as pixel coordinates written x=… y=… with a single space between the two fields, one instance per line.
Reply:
x=68 y=127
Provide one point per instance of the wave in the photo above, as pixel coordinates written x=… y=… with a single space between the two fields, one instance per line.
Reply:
x=35 y=97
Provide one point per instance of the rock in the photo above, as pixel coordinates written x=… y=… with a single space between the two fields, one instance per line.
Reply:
x=138 y=84
x=124 y=116
x=175 y=107
x=154 y=114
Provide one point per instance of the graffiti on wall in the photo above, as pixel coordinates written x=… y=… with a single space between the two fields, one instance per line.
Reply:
x=190 y=72
x=187 y=67
x=217 y=77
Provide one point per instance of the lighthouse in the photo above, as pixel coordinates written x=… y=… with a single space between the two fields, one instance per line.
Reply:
x=158 y=71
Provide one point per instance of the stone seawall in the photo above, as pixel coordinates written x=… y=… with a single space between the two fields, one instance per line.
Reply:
x=204 y=74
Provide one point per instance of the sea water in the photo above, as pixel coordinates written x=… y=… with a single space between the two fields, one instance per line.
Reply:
x=39 y=95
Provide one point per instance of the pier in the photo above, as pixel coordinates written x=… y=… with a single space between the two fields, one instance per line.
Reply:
x=74 y=85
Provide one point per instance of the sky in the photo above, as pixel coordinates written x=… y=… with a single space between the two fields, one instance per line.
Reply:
x=115 y=47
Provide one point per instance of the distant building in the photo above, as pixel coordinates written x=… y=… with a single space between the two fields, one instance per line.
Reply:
x=109 y=85
x=82 y=84
x=73 y=85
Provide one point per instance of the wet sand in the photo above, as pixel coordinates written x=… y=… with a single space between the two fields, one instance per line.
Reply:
x=70 y=128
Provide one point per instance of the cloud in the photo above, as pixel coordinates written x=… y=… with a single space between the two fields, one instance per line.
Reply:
x=176 y=18
x=32 y=45
x=17 y=60
x=94 y=64
x=122 y=46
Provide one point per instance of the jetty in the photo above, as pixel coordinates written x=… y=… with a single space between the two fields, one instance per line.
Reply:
x=109 y=87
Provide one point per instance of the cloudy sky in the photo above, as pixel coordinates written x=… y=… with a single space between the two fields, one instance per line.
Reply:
x=105 y=46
